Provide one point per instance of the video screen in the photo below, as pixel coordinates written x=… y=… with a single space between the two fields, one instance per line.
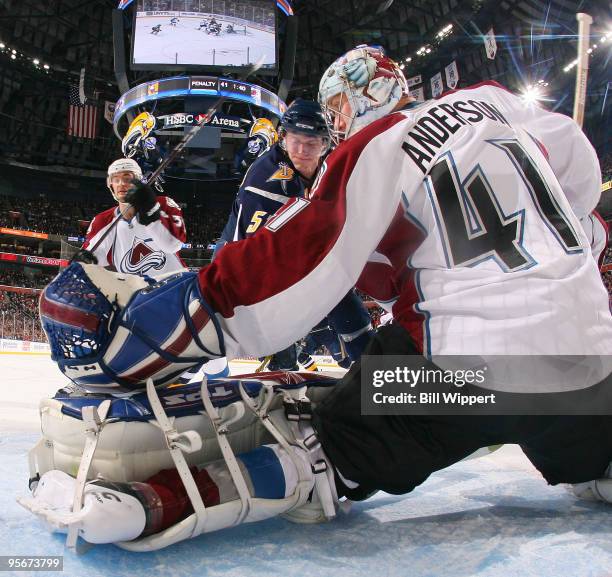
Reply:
x=211 y=33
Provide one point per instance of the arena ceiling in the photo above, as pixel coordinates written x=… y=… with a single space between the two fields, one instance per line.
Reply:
x=536 y=38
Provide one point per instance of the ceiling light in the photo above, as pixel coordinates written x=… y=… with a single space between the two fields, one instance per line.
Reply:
x=531 y=94
x=36 y=61
x=46 y=66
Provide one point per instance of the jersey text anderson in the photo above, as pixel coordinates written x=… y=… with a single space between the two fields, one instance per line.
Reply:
x=436 y=126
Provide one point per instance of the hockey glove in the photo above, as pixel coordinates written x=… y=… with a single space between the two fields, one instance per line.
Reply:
x=142 y=197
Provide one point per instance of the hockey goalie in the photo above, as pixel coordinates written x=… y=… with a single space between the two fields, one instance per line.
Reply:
x=143 y=464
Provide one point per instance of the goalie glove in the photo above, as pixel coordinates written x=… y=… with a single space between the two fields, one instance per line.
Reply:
x=144 y=200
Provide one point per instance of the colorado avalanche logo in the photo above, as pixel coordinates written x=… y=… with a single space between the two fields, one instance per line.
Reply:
x=140 y=259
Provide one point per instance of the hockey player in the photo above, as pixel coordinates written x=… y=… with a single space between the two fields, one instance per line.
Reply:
x=288 y=170
x=230 y=29
x=472 y=202
x=148 y=238
x=174 y=21
x=203 y=24
x=156 y=29
x=214 y=27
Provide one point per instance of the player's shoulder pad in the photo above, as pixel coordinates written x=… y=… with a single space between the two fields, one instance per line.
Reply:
x=101 y=220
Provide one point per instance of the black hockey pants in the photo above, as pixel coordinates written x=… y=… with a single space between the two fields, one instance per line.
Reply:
x=397 y=453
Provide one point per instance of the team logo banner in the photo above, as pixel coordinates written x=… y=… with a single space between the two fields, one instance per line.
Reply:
x=418 y=94
x=490 y=44
x=414 y=80
x=437 y=86
x=109 y=110
x=452 y=75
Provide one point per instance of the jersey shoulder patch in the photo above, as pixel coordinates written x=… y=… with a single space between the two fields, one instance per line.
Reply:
x=283 y=172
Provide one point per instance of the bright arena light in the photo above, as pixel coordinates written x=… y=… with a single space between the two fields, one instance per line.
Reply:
x=36 y=61
x=531 y=94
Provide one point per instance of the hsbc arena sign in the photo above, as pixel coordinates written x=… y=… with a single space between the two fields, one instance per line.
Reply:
x=180 y=119
x=174 y=91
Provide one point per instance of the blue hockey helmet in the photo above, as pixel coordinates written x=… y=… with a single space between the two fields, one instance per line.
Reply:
x=304 y=116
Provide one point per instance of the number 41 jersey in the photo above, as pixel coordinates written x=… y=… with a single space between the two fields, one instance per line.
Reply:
x=493 y=258
x=460 y=214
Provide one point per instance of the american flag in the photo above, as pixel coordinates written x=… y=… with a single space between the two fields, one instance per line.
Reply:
x=82 y=118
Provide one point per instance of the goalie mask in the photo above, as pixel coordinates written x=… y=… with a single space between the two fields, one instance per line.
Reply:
x=110 y=332
x=371 y=82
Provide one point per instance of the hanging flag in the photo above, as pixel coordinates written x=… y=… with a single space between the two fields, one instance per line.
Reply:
x=437 y=86
x=490 y=44
x=82 y=118
x=418 y=94
x=109 y=110
x=452 y=75
x=82 y=97
x=414 y=80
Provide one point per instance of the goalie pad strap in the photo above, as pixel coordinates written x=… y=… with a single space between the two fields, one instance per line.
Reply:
x=94 y=419
x=173 y=441
x=228 y=454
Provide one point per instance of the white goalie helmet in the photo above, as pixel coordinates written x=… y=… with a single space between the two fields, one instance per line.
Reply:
x=122 y=165
x=372 y=83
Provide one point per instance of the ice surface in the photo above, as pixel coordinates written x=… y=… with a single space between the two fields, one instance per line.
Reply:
x=488 y=517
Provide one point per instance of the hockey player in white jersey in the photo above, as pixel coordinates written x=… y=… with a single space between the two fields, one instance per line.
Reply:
x=466 y=211
x=151 y=233
x=147 y=240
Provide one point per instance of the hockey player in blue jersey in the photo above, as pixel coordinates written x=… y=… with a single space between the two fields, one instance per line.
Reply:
x=286 y=171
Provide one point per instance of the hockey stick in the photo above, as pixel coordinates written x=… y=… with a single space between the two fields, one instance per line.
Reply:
x=582 y=70
x=170 y=158
x=263 y=364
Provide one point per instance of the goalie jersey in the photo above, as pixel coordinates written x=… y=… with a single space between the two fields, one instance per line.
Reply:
x=133 y=248
x=461 y=213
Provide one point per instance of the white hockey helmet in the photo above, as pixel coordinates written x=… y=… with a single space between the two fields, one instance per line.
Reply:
x=122 y=165
x=372 y=83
